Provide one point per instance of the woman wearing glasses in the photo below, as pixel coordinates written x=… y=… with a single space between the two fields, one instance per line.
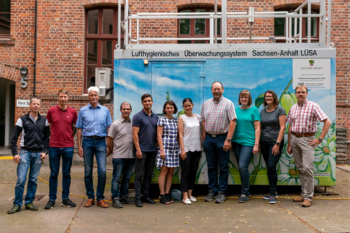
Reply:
x=273 y=125
x=245 y=141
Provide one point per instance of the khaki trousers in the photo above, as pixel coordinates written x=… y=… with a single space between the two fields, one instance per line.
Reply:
x=304 y=159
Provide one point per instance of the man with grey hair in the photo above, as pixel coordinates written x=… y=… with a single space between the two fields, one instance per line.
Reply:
x=93 y=124
x=35 y=132
x=121 y=143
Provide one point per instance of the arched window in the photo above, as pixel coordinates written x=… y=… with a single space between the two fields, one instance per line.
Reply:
x=5 y=18
x=196 y=28
x=280 y=26
x=101 y=36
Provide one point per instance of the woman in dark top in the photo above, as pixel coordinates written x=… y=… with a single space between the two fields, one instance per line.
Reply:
x=273 y=125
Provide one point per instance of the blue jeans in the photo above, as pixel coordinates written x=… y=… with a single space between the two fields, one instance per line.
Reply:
x=243 y=155
x=28 y=160
x=271 y=162
x=55 y=154
x=216 y=156
x=121 y=167
x=97 y=147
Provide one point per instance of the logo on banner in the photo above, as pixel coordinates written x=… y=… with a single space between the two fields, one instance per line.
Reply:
x=311 y=62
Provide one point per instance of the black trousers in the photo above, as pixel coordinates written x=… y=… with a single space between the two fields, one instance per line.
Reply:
x=189 y=168
x=145 y=165
x=271 y=162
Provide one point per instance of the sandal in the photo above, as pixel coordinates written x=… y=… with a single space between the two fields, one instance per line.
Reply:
x=163 y=199
x=167 y=195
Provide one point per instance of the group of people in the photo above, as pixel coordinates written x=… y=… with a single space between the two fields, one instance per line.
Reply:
x=167 y=142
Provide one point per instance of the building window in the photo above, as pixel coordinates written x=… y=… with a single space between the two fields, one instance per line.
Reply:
x=101 y=36
x=196 y=28
x=280 y=27
x=5 y=18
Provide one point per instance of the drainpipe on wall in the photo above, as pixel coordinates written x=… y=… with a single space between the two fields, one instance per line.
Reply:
x=35 y=45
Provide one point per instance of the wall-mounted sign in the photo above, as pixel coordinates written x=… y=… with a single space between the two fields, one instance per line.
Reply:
x=24 y=82
x=23 y=103
x=314 y=73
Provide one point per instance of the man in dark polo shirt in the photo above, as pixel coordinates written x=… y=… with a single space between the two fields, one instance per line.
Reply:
x=62 y=119
x=144 y=127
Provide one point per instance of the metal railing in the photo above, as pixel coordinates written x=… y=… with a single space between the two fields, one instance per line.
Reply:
x=323 y=37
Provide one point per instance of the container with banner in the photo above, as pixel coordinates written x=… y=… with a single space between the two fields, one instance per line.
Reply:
x=179 y=74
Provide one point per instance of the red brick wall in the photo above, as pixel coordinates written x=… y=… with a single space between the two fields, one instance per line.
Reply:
x=341 y=39
x=60 y=51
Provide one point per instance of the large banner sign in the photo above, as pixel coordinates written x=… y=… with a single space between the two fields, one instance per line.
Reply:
x=179 y=77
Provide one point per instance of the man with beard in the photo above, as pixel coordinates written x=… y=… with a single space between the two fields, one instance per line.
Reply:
x=144 y=125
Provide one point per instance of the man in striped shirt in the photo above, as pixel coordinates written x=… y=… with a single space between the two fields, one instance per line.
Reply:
x=302 y=120
x=219 y=121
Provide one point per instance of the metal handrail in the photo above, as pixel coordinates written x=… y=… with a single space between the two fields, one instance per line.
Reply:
x=297 y=15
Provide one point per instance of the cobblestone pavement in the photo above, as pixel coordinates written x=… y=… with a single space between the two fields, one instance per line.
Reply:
x=327 y=214
x=8 y=172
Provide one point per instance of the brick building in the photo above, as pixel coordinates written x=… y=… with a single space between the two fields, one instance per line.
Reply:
x=62 y=42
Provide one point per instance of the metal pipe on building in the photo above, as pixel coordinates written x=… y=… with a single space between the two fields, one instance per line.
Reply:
x=35 y=46
x=215 y=22
x=224 y=21
x=118 y=24
x=250 y=22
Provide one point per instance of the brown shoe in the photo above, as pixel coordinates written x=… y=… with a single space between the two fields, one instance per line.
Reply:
x=298 y=199
x=89 y=203
x=306 y=203
x=102 y=203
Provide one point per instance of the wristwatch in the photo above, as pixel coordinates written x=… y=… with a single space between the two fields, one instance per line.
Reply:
x=278 y=143
x=228 y=139
x=320 y=139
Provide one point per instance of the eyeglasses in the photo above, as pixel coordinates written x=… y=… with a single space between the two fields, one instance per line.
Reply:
x=268 y=97
x=301 y=92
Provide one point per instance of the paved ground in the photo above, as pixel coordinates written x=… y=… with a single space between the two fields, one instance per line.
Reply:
x=331 y=214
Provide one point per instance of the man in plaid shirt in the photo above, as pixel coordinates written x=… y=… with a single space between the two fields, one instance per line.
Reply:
x=219 y=121
x=302 y=120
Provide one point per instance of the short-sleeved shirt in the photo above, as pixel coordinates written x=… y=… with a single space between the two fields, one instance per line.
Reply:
x=170 y=143
x=121 y=132
x=270 y=124
x=94 y=121
x=245 y=133
x=61 y=126
x=217 y=115
x=148 y=130
x=304 y=117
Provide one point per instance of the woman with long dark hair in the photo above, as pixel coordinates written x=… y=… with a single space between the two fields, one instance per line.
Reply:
x=191 y=149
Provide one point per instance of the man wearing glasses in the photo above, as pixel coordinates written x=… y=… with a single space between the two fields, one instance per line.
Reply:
x=302 y=120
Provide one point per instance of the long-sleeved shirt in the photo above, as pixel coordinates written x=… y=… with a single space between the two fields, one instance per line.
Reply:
x=35 y=134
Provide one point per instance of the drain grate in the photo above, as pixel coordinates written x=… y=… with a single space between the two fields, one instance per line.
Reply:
x=36 y=198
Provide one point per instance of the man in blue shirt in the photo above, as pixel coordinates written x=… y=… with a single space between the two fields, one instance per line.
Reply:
x=144 y=127
x=93 y=124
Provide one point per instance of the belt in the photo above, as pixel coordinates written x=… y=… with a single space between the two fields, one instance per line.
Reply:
x=95 y=137
x=217 y=135
x=298 y=135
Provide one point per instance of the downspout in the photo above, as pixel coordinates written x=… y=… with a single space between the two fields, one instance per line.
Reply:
x=35 y=45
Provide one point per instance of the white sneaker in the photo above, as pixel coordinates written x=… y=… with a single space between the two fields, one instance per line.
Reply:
x=187 y=201
x=193 y=199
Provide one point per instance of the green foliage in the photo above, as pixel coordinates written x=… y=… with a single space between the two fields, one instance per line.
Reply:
x=287 y=100
x=181 y=113
x=260 y=100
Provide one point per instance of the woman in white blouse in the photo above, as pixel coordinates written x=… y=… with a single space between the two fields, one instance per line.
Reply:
x=191 y=149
